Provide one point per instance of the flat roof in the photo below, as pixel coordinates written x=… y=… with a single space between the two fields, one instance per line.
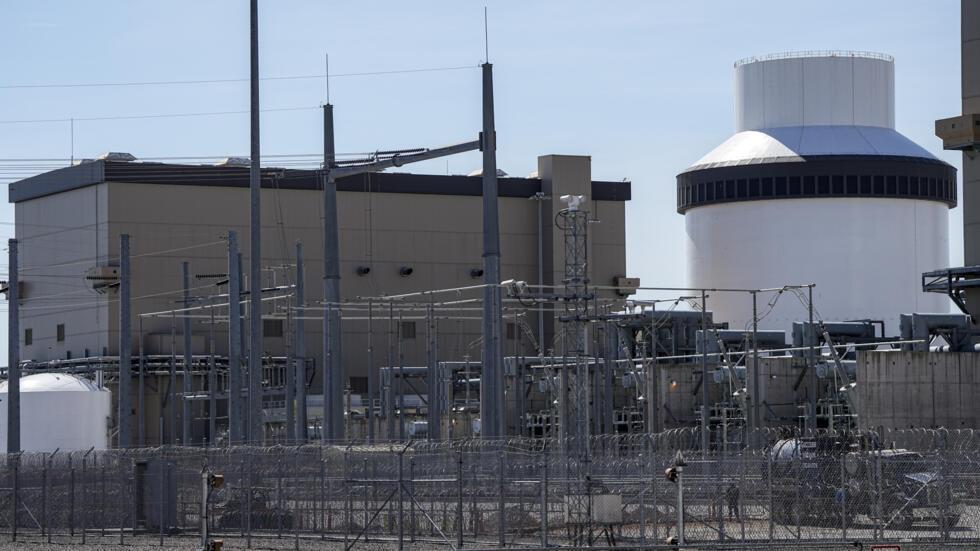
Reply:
x=145 y=173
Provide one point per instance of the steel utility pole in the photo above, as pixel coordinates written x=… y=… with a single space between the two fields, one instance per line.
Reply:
x=299 y=334
x=491 y=379
x=255 y=231
x=124 y=412
x=13 y=352
x=234 y=342
x=333 y=377
x=185 y=419
x=704 y=373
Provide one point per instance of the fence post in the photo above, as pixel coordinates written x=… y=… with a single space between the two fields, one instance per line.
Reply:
x=163 y=495
x=84 y=495
x=772 y=526
x=844 y=496
x=44 y=494
x=102 y=500
x=501 y=521
x=241 y=493
x=879 y=522
x=71 y=497
x=279 y=502
x=347 y=496
x=643 y=515
x=248 y=499
x=135 y=496
x=323 y=498
x=401 y=502
x=459 y=501
x=412 y=498
x=680 y=506
x=544 y=500
x=16 y=500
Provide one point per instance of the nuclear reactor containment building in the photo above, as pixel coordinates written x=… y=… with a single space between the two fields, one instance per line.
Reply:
x=816 y=186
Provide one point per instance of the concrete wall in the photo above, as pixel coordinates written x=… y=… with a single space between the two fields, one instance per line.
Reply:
x=61 y=238
x=918 y=389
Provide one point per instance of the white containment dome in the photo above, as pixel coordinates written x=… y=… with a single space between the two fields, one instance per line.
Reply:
x=58 y=410
x=816 y=186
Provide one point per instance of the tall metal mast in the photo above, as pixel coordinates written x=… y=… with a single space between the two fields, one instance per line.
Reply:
x=255 y=231
x=333 y=399
x=491 y=379
x=13 y=352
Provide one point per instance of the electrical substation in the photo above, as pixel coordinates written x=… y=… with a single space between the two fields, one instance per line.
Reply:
x=312 y=329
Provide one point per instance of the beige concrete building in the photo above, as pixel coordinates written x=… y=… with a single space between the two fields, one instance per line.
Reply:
x=68 y=224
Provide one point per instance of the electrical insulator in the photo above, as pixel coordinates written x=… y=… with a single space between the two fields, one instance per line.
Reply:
x=671 y=474
x=216 y=481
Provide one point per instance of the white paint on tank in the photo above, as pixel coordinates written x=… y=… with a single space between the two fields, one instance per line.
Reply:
x=58 y=411
x=866 y=256
x=839 y=89
x=794 y=143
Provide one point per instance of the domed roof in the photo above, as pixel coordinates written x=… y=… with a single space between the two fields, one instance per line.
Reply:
x=53 y=382
x=796 y=143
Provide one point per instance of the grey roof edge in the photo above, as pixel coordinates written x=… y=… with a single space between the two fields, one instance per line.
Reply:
x=57 y=181
x=95 y=172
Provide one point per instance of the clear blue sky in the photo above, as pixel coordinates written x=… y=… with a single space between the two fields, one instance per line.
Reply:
x=644 y=87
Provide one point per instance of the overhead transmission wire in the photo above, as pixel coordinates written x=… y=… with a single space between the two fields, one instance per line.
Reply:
x=152 y=253
x=230 y=80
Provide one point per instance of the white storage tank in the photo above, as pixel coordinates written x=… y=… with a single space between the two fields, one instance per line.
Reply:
x=58 y=411
x=816 y=186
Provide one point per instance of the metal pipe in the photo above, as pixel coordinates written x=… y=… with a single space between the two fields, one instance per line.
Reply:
x=400 y=160
x=255 y=236
x=186 y=377
x=125 y=407
x=13 y=353
x=234 y=342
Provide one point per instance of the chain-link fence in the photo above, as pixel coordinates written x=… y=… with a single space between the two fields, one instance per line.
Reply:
x=810 y=490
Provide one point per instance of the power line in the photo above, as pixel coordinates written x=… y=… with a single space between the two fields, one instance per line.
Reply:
x=152 y=116
x=228 y=80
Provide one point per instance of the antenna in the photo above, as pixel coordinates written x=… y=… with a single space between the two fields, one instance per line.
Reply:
x=326 y=74
x=486 y=37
